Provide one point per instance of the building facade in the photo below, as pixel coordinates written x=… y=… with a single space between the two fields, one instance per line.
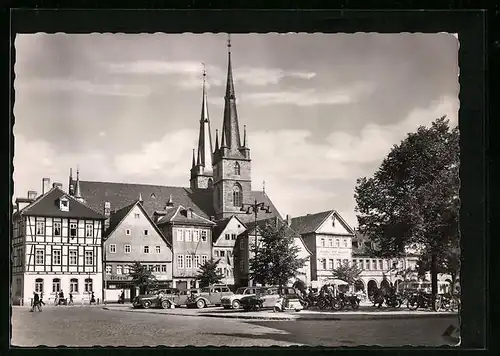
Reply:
x=131 y=237
x=56 y=247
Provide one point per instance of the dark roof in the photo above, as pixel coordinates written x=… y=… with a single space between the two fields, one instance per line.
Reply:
x=264 y=222
x=181 y=216
x=310 y=222
x=116 y=217
x=46 y=205
x=123 y=194
x=221 y=225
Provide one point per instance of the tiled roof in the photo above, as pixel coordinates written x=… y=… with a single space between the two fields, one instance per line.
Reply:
x=155 y=198
x=117 y=216
x=46 y=205
x=310 y=222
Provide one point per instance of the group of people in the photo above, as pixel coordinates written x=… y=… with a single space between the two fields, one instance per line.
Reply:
x=37 y=302
x=59 y=299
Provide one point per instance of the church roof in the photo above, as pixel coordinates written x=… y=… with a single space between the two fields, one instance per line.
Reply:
x=155 y=198
x=309 y=223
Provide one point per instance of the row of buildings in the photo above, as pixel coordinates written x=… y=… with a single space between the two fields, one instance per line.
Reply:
x=83 y=239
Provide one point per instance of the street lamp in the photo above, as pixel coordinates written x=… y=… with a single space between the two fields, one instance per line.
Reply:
x=254 y=208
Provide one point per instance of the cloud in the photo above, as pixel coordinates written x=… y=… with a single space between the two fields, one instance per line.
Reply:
x=311 y=97
x=191 y=72
x=85 y=86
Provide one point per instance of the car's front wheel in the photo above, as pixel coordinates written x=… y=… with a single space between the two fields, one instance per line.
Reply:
x=146 y=304
x=200 y=304
x=236 y=304
x=165 y=304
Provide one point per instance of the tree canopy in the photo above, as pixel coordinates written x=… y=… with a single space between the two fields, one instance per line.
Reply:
x=275 y=257
x=142 y=277
x=348 y=272
x=413 y=198
x=207 y=273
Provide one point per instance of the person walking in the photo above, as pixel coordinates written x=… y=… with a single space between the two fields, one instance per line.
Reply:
x=70 y=298
x=61 y=298
x=92 y=299
x=36 y=302
x=41 y=300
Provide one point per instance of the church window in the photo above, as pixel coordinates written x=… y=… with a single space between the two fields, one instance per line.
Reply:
x=237 y=168
x=210 y=183
x=237 y=195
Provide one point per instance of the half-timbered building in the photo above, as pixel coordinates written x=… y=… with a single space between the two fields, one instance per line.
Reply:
x=56 y=247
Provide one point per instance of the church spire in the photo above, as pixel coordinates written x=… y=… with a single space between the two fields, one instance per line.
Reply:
x=194 y=163
x=205 y=137
x=70 y=184
x=78 y=192
x=244 y=135
x=230 y=129
x=216 y=139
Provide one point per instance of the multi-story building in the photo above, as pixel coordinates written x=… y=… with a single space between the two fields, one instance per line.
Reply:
x=244 y=251
x=190 y=236
x=56 y=247
x=131 y=237
x=329 y=238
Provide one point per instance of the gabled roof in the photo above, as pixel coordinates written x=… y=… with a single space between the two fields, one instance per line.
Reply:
x=312 y=222
x=47 y=205
x=200 y=200
x=182 y=216
x=221 y=226
x=118 y=216
x=264 y=222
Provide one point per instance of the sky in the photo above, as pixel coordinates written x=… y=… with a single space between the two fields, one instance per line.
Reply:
x=321 y=110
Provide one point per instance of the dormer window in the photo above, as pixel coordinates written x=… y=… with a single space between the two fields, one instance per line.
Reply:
x=333 y=221
x=64 y=204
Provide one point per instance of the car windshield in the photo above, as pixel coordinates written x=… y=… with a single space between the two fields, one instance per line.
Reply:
x=205 y=290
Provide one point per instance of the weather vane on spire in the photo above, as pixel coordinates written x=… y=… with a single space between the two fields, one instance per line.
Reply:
x=229 y=42
x=204 y=71
x=264 y=186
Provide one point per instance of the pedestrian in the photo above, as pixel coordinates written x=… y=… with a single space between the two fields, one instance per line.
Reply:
x=92 y=299
x=61 y=297
x=70 y=298
x=35 y=302
x=122 y=297
x=41 y=299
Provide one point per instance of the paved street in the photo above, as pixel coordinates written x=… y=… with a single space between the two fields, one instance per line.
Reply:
x=89 y=326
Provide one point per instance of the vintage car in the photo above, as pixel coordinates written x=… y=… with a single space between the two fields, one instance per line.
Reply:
x=163 y=298
x=208 y=296
x=266 y=298
x=184 y=294
x=288 y=302
x=233 y=300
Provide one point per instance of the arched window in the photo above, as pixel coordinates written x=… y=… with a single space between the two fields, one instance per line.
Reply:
x=56 y=285
x=210 y=183
x=39 y=285
x=236 y=168
x=88 y=285
x=237 y=195
x=73 y=285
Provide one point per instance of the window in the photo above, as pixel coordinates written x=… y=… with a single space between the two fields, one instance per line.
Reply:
x=222 y=253
x=189 y=261
x=89 y=230
x=204 y=259
x=323 y=242
x=233 y=236
x=229 y=254
x=146 y=249
x=381 y=264
x=196 y=235
x=237 y=168
x=73 y=230
x=204 y=235
x=56 y=257
x=127 y=248
x=146 y=232
x=57 y=229
x=367 y=264
x=157 y=268
x=127 y=232
x=108 y=269
x=242 y=244
x=137 y=216
x=180 y=235
x=374 y=264
x=39 y=285
x=337 y=242
x=339 y=263
x=164 y=268
x=158 y=249
x=228 y=236
x=355 y=263
x=56 y=285
x=216 y=253
x=188 y=235
x=323 y=263
x=73 y=254
x=237 y=195
x=88 y=285
x=180 y=261
x=330 y=242
x=219 y=271
x=112 y=248
x=196 y=261
x=361 y=264
x=40 y=228
x=39 y=256
x=330 y=264
x=64 y=204
x=73 y=285
x=89 y=258
x=119 y=269
x=242 y=266
x=345 y=242
x=126 y=269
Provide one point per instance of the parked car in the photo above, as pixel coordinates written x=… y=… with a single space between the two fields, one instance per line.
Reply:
x=266 y=298
x=184 y=294
x=208 y=296
x=233 y=300
x=162 y=298
x=288 y=302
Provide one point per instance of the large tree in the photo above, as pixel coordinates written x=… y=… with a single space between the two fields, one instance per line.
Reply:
x=275 y=256
x=207 y=273
x=143 y=278
x=348 y=272
x=412 y=199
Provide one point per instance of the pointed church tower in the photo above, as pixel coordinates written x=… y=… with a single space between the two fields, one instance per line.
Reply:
x=201 y=170
x=78 y=192
x=71 y=186
x=232 y=163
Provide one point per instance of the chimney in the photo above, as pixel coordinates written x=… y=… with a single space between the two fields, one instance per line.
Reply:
x=57 y=185
x=32 y=194
x=45 y=185
x=107 y=213
x=288 y=219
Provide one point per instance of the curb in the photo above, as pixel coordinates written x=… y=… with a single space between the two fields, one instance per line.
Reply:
x=338 y=316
